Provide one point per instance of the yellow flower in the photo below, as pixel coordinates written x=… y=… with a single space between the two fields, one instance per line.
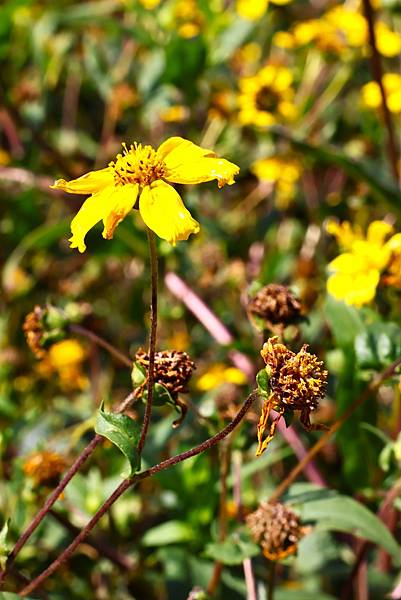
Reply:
x=219 y=374
x=141 y=176
x=357 y=272
x=175 y=114
x=371 y=95
x=65 y=358
x=150 y=4
x=267 y=97
x=388 y=42
x=283 y=172
x=252 y=10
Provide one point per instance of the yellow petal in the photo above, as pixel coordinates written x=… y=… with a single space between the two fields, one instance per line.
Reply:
x=164 y=212
x=122 y=201
x=103 y=205
x=251 y=9
x=90 y=183
x=378 y=231
x=355 y=289
x=188 y=163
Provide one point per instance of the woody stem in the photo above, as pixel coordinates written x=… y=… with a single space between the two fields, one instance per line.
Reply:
x=152 y=338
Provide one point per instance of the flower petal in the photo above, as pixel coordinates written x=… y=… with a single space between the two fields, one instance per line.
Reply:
x=188 y=163
x=122 y=201
x=90 y=183
x=111 y=204
x=164 y=212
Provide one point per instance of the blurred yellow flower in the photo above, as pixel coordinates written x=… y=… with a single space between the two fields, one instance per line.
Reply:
x=150 y=4
x=141 y=176
x=371 y=95
x=267 y=97
x=66 y=359
x=174 y=114
x=45 y=467
x=356 y=272
x=283 y=172
x=255 y=9
x=188 y=19
x=341 y=28
x=219 y=374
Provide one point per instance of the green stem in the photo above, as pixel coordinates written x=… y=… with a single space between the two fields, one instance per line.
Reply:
x=152 y=338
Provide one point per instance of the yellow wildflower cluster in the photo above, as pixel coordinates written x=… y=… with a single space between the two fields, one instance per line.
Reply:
x=252 y=10
x=141 y=176
x=283 y=172
x=356 y=272
x=371 y=95
x=337 y=30
x=267 y=97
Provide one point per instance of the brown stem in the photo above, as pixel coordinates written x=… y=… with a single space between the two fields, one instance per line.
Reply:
x=102 y=343
x=38 y=518
x=271 y=580
x=376 y=383
x=225 y=459
x=152 y=339
x=377 y=71
x=123 y=562
x=127 y=483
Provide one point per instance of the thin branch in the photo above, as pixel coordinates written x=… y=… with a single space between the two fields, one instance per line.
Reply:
x=223 y=336
x=52 y=499
x=152 y=339
x=374 y=385
x=377 y=71
x=127 y=483
x=102 y=343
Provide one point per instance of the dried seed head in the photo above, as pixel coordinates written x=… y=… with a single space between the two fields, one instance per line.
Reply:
x=297 y=382
x=33 y=329
x=276 y=528
x=45 y=467
x=276 y=305
x=173 y=369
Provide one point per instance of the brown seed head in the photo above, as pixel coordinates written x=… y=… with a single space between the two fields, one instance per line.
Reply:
x=33 y=329
x=297 y=380
x=276 y=305
x=173 y=369
x=45 y=467
x=276 y=528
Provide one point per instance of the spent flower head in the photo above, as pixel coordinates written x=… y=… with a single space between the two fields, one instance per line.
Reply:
x=140 y=178
x=45 y=467
x=297 y=382
x=276 y=306
x=276 y=528
x=173 y=369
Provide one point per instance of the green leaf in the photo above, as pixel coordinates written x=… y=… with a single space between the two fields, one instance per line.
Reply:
x=345 y=321
x=378 y=346
x=138 y=374
x=171 y=532
x=123 y=432
x=12 y=596
x=4 y=545
x=234 y=550
x=342 y=513
x=262 y=379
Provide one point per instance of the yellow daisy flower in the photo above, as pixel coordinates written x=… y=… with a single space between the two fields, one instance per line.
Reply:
x=371 y=95
x=284 y=172
x=252 y=10
x=356 y=272
x=267 y=97
x=140 y=178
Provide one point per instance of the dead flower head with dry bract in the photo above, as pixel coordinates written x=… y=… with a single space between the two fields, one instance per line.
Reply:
x=296 y=383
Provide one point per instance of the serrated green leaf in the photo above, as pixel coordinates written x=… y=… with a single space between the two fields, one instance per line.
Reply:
x=123 y=432
x=234 y=550
x=378 y=346
x=342 y=513
x=262 y=379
